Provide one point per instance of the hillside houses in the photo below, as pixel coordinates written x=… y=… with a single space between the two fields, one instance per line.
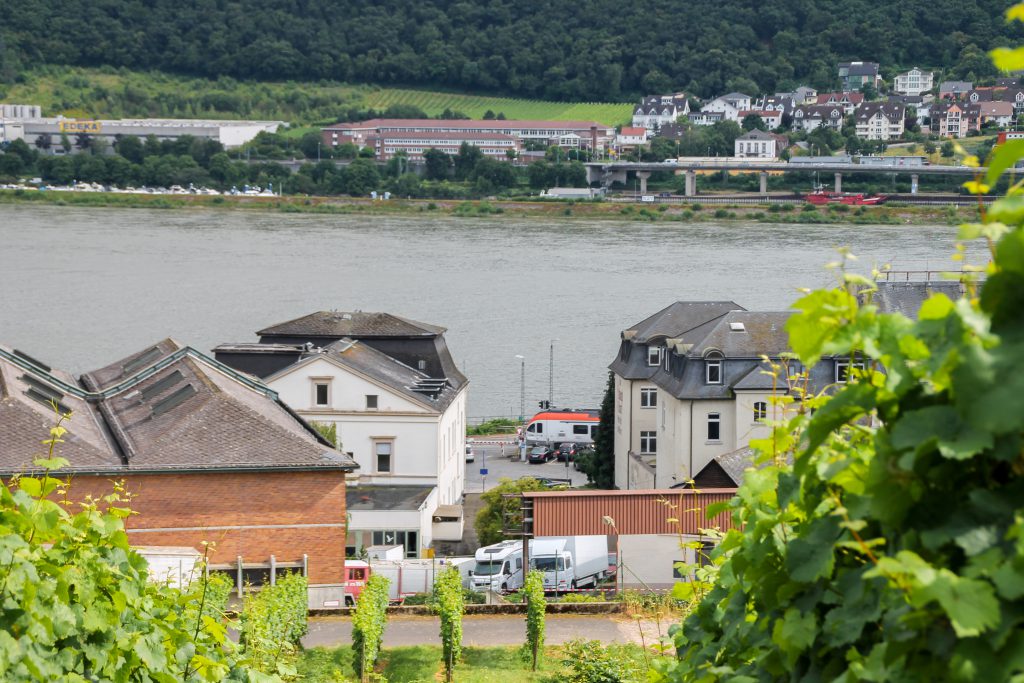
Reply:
x=880 y=121
x=855 y=75
x=655 y=111
x=913 y=82
x=811 y=117
x=729 y=105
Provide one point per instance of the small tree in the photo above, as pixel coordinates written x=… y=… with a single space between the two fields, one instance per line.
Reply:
x=533 y=590
x=368 y=625
x=948 y=149
x=450 y=606
x=499 y=513
x=599 y=465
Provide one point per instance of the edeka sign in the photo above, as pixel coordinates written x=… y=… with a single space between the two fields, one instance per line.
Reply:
x=80 y=126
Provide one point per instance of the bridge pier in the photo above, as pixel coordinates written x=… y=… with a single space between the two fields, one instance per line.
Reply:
x=839 y=182
x=913 y=183
x=764 y=182
x=643 y=176
x=691 y=184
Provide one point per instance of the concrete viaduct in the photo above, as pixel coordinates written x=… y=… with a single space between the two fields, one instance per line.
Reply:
x=607 y=173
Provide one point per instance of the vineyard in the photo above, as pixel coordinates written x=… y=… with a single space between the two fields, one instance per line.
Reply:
x=474 y=106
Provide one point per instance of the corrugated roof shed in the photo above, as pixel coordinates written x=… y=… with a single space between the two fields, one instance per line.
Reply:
x=581 y=513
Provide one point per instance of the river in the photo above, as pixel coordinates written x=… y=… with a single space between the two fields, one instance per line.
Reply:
x=83 y=287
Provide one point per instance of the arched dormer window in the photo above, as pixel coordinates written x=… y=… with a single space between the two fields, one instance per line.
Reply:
x=713 y=368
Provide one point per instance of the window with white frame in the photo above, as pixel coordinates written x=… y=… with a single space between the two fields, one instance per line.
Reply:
x=648 y=397
x=648 y=443
x=713 y=370
x=714 y=427
x=843 y=370
x=653 y=355
x=321 y=392
x=383 y=452
x=760 y=411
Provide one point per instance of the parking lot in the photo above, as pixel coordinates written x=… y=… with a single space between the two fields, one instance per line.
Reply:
x=489 y=456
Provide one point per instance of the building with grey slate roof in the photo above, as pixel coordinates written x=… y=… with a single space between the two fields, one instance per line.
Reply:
x=397 y=400
x=210 y=455
x=698 y=388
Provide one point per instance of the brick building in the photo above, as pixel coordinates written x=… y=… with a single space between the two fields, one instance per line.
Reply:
x=209 y=454
x=441 y=133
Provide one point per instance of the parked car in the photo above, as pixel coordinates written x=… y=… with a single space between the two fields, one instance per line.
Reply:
x=470 y=455
x=550 y=483
x=566 y=451
x=539 y=455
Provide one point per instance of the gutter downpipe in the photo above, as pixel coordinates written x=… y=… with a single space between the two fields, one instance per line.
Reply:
x=629 y=448
x=690 y=473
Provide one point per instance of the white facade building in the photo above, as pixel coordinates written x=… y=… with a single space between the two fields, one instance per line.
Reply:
x=913 y=82
x=880 y=121
x=757 y=144
x=690 y=387
x=729 y=105
x=657 y=110
x=391 y=390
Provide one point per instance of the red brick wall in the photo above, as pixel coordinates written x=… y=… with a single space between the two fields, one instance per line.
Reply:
x=201 y=502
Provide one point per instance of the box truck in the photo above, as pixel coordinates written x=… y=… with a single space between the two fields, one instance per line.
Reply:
x=570 y=562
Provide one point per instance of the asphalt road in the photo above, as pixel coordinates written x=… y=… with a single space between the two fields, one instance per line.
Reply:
x=498 y=466
x=483 y=630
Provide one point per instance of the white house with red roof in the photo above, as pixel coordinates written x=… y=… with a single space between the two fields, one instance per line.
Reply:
x=631 y=137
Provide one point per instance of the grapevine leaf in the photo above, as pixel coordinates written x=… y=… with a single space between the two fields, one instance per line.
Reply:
x=970 y=604
x=810 y=556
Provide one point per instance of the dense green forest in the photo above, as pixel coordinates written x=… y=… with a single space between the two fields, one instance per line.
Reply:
x=554 y=49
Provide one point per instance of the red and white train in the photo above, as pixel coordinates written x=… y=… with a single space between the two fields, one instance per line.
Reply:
x=554 y=427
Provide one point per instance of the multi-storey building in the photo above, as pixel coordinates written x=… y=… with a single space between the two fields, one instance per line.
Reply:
x=397 y=401
x=691 y=384
x=655 y=111
x=443 y=133
x=950 y=119
x=215 y=461
x=880 y=120
x=913 y=82
x=855 y=75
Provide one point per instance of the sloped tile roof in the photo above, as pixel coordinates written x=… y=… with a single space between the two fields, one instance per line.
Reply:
x=166 y=408
x=352 y=324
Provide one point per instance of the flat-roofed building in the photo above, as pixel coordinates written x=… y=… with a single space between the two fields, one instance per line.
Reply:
x=583 y=134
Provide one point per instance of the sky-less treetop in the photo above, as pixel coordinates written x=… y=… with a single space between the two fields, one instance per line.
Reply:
x=558 y=50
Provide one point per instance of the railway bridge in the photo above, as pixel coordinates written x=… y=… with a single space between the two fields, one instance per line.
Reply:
x=607 y=173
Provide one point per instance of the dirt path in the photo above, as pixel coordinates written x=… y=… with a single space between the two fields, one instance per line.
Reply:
x=482 y=630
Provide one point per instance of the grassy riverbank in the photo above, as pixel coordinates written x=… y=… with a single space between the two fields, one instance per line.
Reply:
x=686 y=212
x=422 y=663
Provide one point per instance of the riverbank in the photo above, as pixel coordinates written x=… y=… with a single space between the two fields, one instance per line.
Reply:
x=567 y=210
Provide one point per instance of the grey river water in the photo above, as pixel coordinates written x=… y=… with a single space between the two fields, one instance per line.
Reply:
x=80 y=288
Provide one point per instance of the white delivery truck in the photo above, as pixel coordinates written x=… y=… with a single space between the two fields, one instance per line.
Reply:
x=570 y=562
x=498 y=567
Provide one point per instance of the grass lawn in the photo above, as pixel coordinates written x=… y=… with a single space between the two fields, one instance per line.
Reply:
x=422 y=663
x=108 y=92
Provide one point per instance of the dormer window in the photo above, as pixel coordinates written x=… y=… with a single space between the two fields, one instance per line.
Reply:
x=843 y=370
x=713 y=370
x=653 y=355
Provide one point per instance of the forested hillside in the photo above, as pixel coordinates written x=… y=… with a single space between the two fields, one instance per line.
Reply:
x=555 y=49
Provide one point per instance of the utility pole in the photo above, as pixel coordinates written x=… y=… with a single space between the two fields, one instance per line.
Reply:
x=551 y=374
x=522 y=387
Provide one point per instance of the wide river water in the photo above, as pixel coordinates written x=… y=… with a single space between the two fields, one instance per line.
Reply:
x=80 y=288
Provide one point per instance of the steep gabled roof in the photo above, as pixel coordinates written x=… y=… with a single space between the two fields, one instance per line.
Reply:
x=746 y=334
x=339 y=324
x=434 y=394
x=679 y=320
x=166 y=408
